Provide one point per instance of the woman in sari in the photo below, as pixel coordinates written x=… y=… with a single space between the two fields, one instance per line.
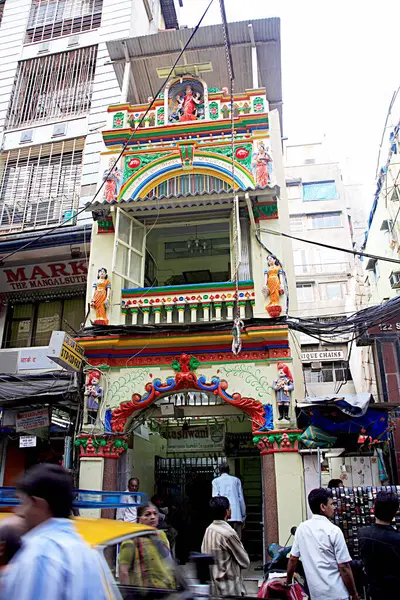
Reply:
x=145 y=560
x=189 y=106
x=101 y=296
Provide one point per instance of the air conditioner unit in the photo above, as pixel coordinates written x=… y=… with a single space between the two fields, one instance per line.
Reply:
x=395 y=280
x=316 y=366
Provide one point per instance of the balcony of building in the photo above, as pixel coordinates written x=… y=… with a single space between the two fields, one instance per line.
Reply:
x=50 y=19
x=39 y=186
x=188 y=275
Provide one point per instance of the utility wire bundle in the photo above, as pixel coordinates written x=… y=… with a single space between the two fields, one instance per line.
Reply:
x=352 y=327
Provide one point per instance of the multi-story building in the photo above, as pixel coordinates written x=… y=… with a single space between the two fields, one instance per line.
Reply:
x=324 y=284
x=379 y=368
x=178 y=255
x=56 y=82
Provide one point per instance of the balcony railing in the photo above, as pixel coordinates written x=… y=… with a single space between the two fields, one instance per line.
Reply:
x=196 y=303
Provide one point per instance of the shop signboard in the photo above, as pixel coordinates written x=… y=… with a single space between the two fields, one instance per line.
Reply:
x=33 y=359
x=27 y=441
x=43 y=275
x=322 y=355
x=32 y=419
x=391 y=327
x=64 y=351
x=202 y=438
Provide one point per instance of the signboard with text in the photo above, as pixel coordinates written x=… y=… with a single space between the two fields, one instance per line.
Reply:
x=322 y=355
x=195 y=439
x=64 y=351
x=43 y=275
x=32 y=419
x=27 y=441
x=32 y=359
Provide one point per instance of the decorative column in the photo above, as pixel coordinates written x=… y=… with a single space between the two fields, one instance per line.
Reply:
x=101 y=451
x=280 y=510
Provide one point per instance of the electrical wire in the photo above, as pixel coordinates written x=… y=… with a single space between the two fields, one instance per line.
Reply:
x=89 y=204
x=330 y=247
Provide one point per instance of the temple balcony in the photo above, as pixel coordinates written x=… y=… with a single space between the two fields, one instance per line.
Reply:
x=195 y=303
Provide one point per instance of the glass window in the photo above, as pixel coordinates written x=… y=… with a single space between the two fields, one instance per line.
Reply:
x=296 y=224
x=328 y=372
x=326 y=220
x=334 y=291
x=319 y=190
x=32 y=324
x=305 y=292
x=300 y=262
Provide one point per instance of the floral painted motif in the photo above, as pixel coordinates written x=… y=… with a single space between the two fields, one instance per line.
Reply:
x=118 y=120
x=214 y=111
x=258 y=104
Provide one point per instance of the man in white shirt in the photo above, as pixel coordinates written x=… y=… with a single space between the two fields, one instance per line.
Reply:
x=324 y=554
x=129 y=514
x=231 y=487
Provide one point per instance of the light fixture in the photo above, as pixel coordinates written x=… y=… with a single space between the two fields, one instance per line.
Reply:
x=197 y=245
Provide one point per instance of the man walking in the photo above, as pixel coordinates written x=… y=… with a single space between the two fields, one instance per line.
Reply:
x=54 y=562
x=129 y=514
x=380 y=549
x=221 y=541
x=324 y=554
x=231 y=487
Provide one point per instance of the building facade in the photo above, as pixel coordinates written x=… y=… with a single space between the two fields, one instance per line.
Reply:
x=56 y=82
x=324 y=277
x=179 y=256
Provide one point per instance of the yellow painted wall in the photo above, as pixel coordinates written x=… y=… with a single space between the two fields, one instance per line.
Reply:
x=144 y=453
x=290 y=492
x=91 y=478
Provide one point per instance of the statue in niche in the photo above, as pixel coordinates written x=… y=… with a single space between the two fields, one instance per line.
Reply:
x=186 y=101
x=94 y=393
x=262 y=165
x=283 y=387
x=113 y=181
x=101 y=296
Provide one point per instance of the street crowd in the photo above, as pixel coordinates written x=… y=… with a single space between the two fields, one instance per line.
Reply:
x=42 y=557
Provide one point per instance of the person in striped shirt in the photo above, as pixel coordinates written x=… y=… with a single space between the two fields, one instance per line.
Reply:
x=54 y=563
x=221 y=541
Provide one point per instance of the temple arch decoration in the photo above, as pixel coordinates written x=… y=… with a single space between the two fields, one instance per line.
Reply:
x=186 y=379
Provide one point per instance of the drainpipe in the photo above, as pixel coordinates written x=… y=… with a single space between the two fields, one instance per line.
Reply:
x=254 y=61
x=126 y=78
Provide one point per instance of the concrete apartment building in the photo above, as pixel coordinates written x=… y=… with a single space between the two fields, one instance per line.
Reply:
x=318 y=212
x=56 y=83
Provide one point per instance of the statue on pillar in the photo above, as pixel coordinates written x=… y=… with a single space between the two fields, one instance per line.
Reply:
x=283 y=387
x=273 y=288
x=101 y=296
x=93 y=393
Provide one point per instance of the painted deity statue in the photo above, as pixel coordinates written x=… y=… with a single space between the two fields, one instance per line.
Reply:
x=273 y=288
x=262 y=165
x=283 y=387
x=113 y=180
x=189 y=105
x=93 y=391
x=101 y=296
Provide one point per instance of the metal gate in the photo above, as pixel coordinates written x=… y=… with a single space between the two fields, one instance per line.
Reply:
x=185 y=484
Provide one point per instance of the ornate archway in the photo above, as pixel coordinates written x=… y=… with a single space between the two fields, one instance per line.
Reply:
x=186 y=379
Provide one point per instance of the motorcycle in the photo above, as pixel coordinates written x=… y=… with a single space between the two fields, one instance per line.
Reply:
x=274 y=582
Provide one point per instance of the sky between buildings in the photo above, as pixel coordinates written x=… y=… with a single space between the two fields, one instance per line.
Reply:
x=339 y=70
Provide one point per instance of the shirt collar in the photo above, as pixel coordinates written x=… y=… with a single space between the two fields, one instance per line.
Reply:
x=320 y=517
x=51 y=524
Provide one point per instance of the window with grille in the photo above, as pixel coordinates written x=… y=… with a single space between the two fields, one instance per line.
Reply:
x=305 y=292
x=39 y=186
x=52 y=87
x=49 y=19
x=189 y=184
x=319 y=190
x=326 y=220
x=329 y=372
x=32 y=324
x=297 y=224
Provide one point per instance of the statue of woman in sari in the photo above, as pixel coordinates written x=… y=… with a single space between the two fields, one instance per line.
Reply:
x=189 y=105
x=101 y=296
x=113 y=178
x=262 y=165
x=273 y=288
